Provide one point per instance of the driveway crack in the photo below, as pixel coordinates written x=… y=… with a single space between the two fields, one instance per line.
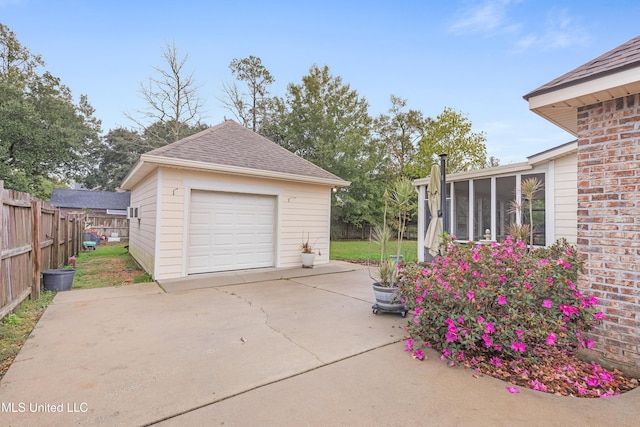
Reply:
x=273 y=328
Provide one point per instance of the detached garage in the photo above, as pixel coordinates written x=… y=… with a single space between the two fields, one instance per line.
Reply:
x=226 y=199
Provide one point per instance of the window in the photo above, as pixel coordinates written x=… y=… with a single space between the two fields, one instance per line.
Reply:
x=461 y=210
x=480 y=200
x=481 y=207
x=539 y=223
x=505 y=212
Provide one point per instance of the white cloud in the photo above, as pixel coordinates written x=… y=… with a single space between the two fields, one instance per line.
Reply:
x=488 y=17
x=561 y=31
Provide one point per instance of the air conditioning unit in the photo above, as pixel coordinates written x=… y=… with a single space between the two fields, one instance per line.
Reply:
x=132 y=212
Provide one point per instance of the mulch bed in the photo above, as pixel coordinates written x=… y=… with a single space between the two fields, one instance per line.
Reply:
x=558 y=372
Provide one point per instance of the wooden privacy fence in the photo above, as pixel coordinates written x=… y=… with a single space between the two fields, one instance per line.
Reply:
x=34 y=236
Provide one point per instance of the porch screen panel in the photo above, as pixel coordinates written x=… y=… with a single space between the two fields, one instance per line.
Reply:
x=481 y=207
x=539 y=207
x=505 y=199
x=461 y=210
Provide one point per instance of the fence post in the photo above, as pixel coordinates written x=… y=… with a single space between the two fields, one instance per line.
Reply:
x=55 y=255
x=36 y=251
x=2 y=230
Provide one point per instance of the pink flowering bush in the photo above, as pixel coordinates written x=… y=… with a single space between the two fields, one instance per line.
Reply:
x=500 y=302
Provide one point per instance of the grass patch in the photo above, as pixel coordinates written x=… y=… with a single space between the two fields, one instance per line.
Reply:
x=364 y=250
x=108 y=265
x=16 y=327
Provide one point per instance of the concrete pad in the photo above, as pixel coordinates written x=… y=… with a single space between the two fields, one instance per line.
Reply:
x=199 y=281
x=386 y=387
x=301 y=351
x=133 y=359
x=114 y=292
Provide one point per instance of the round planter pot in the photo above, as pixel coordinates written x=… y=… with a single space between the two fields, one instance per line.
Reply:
x=307 y=260
x=386 y=298
x=58 y=280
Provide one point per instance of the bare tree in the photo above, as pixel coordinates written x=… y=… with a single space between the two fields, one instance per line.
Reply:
x=248 y=108
x=171 y=96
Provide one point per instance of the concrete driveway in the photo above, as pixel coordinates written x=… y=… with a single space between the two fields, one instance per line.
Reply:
x=300 y=348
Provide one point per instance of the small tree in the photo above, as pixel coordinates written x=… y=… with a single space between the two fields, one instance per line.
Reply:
x=172 y=96
x=528 y=190
x=403 y=204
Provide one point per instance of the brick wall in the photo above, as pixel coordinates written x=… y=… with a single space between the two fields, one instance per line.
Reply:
x=609 y=223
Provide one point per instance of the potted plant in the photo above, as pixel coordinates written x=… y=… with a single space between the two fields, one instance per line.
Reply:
x=308 y=255
x=384 y=288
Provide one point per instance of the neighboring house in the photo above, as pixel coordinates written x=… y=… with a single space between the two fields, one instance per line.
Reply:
x=98 y=202
x=482 y=200
x=106 y=211
x=226 y=199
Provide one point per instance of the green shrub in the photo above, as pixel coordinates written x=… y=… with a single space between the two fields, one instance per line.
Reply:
x=498 y=301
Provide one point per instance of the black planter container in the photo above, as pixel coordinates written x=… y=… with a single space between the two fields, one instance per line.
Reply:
x=58 y=280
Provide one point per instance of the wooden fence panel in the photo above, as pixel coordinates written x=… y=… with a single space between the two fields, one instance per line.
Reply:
x=30 y=242
x=105 y=225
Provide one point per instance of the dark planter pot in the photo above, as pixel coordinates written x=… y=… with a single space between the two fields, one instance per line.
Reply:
x=58 y=280
x=386 y=300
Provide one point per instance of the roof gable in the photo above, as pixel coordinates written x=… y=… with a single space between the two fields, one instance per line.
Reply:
x=624 y=56
x=231 y=144
x=615 y=74
x=81 y=199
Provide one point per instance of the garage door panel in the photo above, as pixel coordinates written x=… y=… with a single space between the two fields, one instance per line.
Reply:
x=230 y=231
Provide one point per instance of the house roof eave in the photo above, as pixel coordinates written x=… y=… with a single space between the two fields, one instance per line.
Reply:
x=149 y=162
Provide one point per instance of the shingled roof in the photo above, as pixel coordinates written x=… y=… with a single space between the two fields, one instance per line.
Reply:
x=231 y=147
x=616 y=74
x=625 y=56
x=81 y=199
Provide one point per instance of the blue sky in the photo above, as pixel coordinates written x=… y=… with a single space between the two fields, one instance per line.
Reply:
x=477 y=57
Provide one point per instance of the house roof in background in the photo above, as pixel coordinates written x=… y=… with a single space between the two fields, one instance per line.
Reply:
x=231 y=147
x=615 y=74
x=79 y=199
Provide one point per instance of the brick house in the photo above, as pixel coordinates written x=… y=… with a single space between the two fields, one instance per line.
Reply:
x=599 y=103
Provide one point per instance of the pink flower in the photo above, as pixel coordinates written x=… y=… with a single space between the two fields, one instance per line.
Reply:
x=496 y=361
x=487 y=340
x=482 y=284
x=547 y=303
x=551 y=339
x=470 y=295
x=409 y=345
x=518 y=346
x=599 y=316
x=592 y=381
x=543 y=262
x=568 y=310
x=480 y=319
x=590 y=343
x=475 y=256
x=488 y=328
x=418 y=354
x=451 y=336
x=537 y=385
x=513 y=390
x=502 y=300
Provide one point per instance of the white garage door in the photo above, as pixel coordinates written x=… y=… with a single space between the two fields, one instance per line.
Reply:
x=230 y=231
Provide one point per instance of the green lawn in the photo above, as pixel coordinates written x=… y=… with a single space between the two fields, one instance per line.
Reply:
x=370 y=251
x=108 y=265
